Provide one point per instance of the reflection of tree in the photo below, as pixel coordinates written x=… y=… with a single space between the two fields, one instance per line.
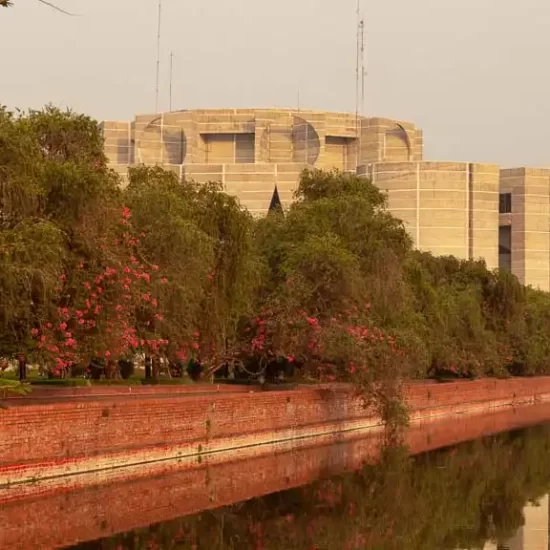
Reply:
x=453 y=498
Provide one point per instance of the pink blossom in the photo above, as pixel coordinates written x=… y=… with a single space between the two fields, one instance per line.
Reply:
x=164 y=280
x=63 y=326
x=107 y=354
x=34 y=331
x=194 y=345
x=64 y=312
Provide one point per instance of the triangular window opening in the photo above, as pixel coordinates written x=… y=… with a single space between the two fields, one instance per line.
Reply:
x=275 y=204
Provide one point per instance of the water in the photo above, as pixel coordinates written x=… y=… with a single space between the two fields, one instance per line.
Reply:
x=491 y=493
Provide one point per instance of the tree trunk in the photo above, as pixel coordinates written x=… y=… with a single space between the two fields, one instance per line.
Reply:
x=148 y=371
x=111 y=370
x=22 y=368
x=156 y=367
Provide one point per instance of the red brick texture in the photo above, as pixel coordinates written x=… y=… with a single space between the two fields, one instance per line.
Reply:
x=62 y=519
x=63 y=440
x=43 y=437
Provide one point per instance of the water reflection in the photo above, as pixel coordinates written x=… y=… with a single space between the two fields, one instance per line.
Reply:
x=487 y=494
x=533 y=534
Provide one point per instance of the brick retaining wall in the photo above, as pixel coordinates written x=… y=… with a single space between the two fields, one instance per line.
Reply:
x=65 y=518
x=58 y=433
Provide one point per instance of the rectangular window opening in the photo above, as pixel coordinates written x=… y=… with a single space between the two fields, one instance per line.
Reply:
x=505 y=203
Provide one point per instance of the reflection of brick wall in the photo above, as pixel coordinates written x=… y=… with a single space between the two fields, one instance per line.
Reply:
x=65 y=518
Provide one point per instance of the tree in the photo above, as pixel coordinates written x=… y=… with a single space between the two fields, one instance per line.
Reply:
x=334 y=299
x=32 y=247
x=9 y=3
x=60 y=217
x=202 y=239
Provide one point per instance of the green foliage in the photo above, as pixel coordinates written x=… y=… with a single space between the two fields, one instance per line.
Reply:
x=14 y=387
x=57 y=200
x=335 y=295
x=475 y=322
x=179 y=269
x=203 y=241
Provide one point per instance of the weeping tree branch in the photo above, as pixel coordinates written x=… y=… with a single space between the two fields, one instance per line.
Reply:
x=8 y=3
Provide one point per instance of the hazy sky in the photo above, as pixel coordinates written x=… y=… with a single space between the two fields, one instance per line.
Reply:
x=474 y=74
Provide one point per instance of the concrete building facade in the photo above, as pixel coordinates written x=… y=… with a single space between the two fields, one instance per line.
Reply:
x=524 y=224
x=448 y=207
x=467 y=210
x=251 y=151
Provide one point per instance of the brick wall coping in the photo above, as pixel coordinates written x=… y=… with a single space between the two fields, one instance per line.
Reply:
x=41 y=395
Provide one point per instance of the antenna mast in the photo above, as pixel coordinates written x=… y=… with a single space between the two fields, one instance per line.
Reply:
x=357 y=63
x=358 y=66
x=158 y=56
x=171 y=74
x=363 y=66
